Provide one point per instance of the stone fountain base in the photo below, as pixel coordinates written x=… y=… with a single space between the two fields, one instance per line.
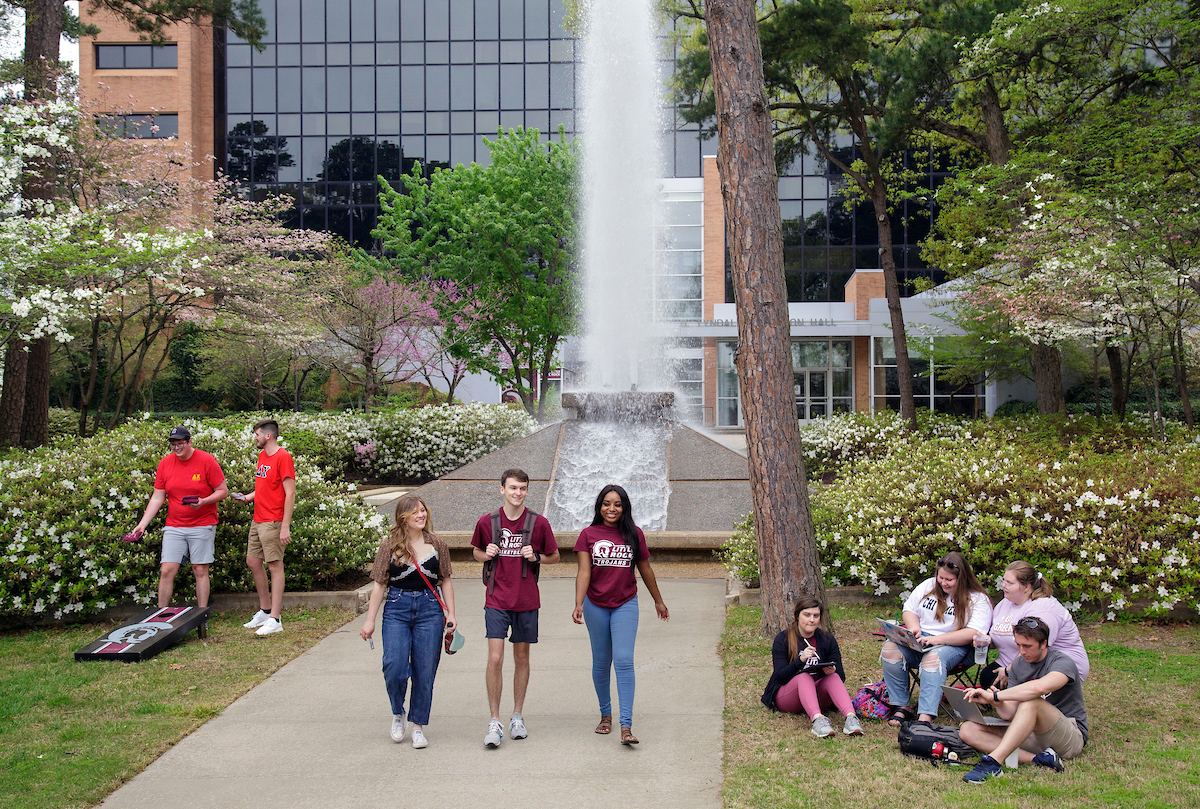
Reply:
x=709 y=484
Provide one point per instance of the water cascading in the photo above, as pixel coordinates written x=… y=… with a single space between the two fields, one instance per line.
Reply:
x=622 y=436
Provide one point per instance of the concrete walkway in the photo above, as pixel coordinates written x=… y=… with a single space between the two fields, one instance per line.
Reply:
x=316 y=733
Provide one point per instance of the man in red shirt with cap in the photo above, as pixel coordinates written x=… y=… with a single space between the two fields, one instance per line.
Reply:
x=192 y=483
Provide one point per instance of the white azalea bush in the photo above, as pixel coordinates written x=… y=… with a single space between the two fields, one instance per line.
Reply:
x=1109 y=515
x=64 y=509
x=411 y=445
x=422 y=443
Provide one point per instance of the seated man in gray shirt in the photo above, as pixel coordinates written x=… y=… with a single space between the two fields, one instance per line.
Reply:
x=1043 y=703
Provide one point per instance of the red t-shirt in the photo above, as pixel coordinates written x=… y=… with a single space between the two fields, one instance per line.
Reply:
x=511 y=592
x=613 y=581
x=199 y=475
x=269 y=475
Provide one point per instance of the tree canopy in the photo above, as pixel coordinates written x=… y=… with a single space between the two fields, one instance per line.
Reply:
x=501 y=240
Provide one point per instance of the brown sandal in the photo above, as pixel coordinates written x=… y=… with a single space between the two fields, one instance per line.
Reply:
x=605 y=726
x=627 y=736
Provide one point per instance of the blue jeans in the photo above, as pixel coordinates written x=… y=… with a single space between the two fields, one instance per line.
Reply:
x=895 y=675
x=613 y=633
x=412 y=645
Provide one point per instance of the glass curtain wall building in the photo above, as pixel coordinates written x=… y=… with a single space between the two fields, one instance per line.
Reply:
x=348 y=90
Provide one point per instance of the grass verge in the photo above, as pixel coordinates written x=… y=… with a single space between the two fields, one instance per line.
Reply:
x=1143 y=701
x=70 y=733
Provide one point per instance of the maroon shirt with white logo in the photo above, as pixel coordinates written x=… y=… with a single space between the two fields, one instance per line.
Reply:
x=512 y=592
x=613 y=581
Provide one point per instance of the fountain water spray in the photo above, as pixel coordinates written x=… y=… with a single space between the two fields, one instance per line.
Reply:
x=623 y=438
x=620 y=121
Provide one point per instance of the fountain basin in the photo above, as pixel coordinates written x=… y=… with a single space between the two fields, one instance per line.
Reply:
x=620 y=406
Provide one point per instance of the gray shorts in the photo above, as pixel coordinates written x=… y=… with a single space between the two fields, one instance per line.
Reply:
x=524 y=625
x=198 y=544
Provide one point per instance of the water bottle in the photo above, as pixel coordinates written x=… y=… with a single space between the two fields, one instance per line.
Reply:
x=982 y=642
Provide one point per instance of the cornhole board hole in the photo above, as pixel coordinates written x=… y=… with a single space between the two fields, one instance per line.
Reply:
x=151 y=632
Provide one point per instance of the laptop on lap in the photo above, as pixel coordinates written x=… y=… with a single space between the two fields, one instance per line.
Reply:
x=969 y=711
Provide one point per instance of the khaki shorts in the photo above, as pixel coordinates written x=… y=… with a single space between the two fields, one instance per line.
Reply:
x=264 y=542
x=1065 y=737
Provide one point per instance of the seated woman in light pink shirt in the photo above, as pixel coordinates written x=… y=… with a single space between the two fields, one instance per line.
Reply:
x=1028 y=594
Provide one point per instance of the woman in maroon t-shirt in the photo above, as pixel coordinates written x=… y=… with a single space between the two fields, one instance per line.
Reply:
x=606 y=599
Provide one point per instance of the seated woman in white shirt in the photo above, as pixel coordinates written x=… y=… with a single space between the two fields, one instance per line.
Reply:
x=945 y=613
x=1027 y=594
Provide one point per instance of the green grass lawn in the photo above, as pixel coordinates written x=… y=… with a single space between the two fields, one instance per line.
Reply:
x=1143 y=700
x=70 y=733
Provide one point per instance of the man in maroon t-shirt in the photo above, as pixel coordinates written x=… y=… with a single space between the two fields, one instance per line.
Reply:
x=512 y=600
x=191 y=482
x=274 y=496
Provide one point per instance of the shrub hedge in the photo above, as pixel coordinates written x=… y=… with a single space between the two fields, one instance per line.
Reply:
x=64 y=508
x=1111 y=516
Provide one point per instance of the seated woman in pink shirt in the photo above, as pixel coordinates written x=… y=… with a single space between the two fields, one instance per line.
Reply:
x=1027 y=594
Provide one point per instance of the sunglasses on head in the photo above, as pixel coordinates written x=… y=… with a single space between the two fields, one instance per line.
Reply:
x=948 y=565
x=1030 y=623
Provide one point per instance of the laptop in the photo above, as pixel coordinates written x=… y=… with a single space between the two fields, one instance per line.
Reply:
x=969 y=711
x=898 y=633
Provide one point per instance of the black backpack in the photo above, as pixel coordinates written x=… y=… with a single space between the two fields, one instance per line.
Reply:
x=933 y=742
x=489 y=567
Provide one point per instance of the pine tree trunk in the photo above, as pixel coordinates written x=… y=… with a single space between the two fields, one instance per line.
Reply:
x=891 y=290
x=12 y=400
x=1047 y=378
x=787 y=550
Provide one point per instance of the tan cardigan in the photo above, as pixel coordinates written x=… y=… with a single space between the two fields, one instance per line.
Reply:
x=379 y=570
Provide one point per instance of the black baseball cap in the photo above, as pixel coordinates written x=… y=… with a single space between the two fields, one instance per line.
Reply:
x=179 y=434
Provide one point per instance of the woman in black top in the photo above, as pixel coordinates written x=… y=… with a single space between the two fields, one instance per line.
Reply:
x=808 y=671
x=413 y=621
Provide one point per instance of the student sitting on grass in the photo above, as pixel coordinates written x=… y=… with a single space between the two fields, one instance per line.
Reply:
x=800 y=684
x=1043 y=701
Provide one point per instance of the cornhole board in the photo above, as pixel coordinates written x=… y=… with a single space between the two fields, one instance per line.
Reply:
x=151 y=632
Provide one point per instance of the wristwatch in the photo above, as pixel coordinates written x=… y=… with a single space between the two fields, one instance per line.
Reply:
x=537 y=558
x=995 y=695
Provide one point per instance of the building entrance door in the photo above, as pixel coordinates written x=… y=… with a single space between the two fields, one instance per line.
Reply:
x=811 y=394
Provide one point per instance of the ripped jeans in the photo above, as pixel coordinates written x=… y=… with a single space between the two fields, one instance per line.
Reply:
x=895 y=674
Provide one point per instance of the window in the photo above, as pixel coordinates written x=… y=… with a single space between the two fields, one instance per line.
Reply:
x=142 y=125
x=929 y=392
x=137 y=57
x=822 y=377
x=728 y=412
x=679 y=237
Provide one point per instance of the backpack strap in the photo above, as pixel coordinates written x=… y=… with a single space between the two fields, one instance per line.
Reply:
x=489 y=567
x=527 y=539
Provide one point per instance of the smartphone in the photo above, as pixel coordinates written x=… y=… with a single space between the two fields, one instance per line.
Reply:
x=372 y=642
x=190 y=499
x=238 y=496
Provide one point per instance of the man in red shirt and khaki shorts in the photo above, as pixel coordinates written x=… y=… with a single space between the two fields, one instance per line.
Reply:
x=274 y=497
x=191 y=482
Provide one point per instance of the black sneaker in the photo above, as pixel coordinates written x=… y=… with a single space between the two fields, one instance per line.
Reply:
x=1049 y=759
x=985 y=770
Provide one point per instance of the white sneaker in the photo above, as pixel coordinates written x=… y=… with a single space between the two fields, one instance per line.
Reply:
x=270 y=626
x=516 y=727
x=419 y=740
x=853 y=727
x=494 y=735
x=399 y=727
x=258 y=620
